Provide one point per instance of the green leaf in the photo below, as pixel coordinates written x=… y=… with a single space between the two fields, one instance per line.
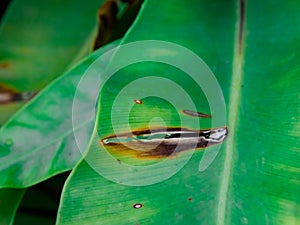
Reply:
x=253 y=49
x=9 y=202
x=39 y=40
x=38 y=141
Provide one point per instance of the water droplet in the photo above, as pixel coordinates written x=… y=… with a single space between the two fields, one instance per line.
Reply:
x=137 y=206
x=138 y=101
x=8 y=142
x=5 y=147
x=244 y=220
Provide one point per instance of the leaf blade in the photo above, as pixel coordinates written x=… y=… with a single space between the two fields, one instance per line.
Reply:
x=39 y=41
x=262 y=182
x=48 y=118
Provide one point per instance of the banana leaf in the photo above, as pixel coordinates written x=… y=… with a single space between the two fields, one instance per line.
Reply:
x=38 y=142
x=39 y=40
x=43 y=118
x=37 y=43
x=253 y=49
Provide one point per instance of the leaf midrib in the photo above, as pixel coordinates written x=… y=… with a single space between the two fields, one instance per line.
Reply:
x=233 y=117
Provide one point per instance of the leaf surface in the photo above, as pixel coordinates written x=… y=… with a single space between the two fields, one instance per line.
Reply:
x=252 y=48
x=38 y=141
x=39 y=40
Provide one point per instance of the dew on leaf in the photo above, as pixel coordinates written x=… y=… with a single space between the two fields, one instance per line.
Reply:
x=244 y=220
x=5 y=147
x=8 y=142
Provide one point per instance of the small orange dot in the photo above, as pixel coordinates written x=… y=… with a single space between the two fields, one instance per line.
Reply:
x=138 y=101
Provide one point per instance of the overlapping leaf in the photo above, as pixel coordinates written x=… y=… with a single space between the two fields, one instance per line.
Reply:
x=39 y=40
x=38 y=141
x=9 y=202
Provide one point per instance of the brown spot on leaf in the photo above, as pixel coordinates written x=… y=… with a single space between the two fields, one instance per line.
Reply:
x=195 y=114
x=4 y=65
x=162 y=142
x=8 y=95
